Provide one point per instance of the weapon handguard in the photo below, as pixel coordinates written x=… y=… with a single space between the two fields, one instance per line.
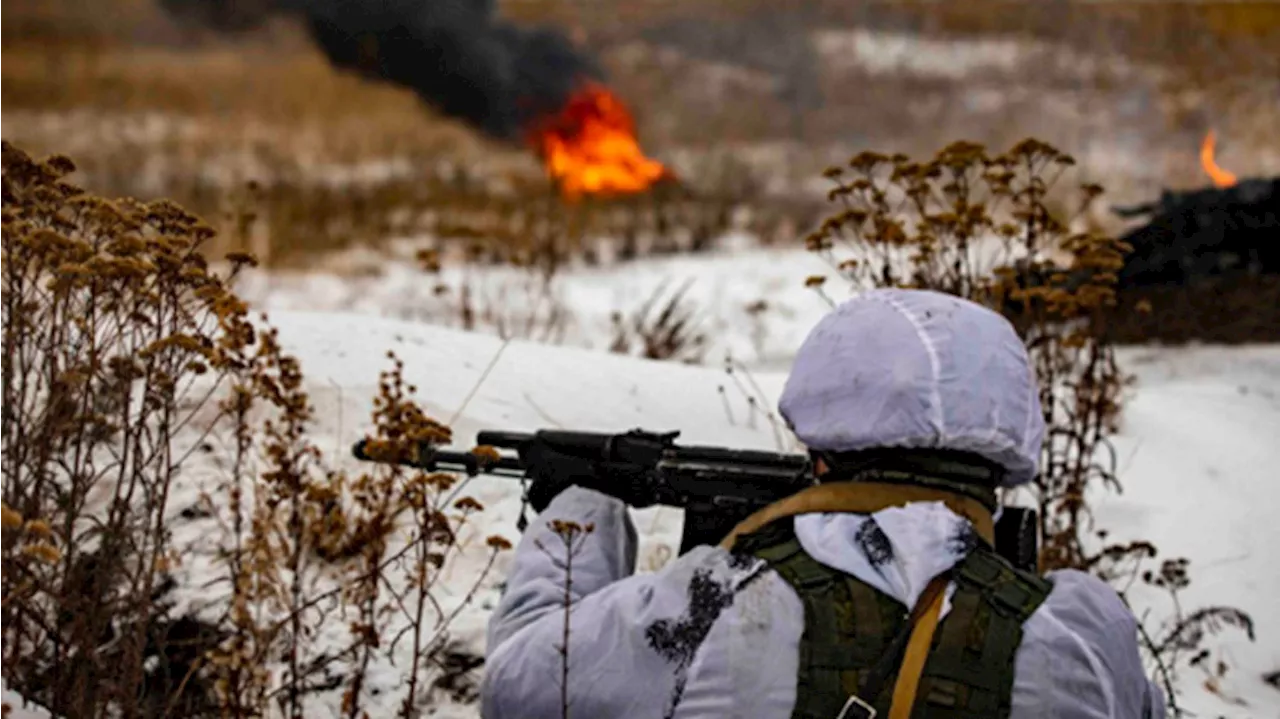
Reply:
x=717 y=487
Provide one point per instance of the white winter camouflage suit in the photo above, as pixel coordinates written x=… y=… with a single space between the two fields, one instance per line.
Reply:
x=717 y=635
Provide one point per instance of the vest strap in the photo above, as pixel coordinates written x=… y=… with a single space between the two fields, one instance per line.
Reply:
x=924 y=622
x=864 y=498
x=857 y=640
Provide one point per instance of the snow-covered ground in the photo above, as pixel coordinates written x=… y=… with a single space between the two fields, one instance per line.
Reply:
x=526 y=386
x=1197 y=453
x=17 y=707
x=880 y=52
x=1198 y=459
x=749 y=302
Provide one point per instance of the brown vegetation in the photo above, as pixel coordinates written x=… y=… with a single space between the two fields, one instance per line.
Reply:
x=1234 y=310
x=979 y=226
x=127 y=363
x=125 y=355
x=289 y=159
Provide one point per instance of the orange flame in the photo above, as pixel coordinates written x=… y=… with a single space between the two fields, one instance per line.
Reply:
x=590 y=147
x=1220 y=177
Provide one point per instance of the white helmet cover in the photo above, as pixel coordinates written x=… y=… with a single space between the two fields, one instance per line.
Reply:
x=917 y=368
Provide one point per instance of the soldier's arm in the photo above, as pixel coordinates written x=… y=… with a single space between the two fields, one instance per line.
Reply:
x=631 y=638
x=535 y=586
x=1079 y=657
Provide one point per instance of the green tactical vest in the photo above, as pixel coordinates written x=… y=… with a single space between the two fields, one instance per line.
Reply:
x=849 y=627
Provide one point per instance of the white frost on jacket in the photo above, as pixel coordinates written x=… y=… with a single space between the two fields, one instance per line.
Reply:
x=640 y=648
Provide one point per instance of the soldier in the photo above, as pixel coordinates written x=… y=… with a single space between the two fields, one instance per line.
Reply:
x=876 y=592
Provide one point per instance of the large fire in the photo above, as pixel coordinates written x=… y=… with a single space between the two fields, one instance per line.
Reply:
x=590 y=147
x=1220 y=177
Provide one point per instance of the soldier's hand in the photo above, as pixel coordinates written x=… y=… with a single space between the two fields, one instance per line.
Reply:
x=552 y=472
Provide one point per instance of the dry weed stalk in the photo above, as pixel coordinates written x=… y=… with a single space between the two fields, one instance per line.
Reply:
x=516 y=300
x=122 y=350
x=978 y=227
x=982 y=227
x=526 y=302
x=671 y=334
x=111 y=345
x=307 y=527
x=573 y=537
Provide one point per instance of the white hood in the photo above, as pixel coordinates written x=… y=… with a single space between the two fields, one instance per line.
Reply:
x=916 y=368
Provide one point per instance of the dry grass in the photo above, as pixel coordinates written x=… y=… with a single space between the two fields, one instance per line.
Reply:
x=1226 y=31
x=1237 y=310
x=290 y=159
x=153 y=110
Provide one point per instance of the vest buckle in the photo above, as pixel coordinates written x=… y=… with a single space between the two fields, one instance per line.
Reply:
x=855 y=708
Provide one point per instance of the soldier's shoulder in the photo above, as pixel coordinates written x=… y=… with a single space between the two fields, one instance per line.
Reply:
x=1086 y=605
x=1082 y=585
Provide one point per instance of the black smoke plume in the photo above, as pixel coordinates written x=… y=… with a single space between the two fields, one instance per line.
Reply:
x=455 y=54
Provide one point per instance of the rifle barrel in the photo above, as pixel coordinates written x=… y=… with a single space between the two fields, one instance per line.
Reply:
x=499 y=438
x=432 y=460
x=750 y=457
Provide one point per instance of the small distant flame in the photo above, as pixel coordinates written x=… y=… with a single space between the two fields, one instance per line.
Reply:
x=590 y=147
x=1220 y=177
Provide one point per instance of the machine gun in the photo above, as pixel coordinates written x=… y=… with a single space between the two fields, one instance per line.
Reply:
x=717 y=487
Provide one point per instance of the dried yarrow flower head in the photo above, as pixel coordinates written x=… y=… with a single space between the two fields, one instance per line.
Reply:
x=983 y=227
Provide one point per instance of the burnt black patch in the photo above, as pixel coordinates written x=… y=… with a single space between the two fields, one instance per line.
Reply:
x=741 y=561
x=1273 y=678
x=677 y=640
x=458 y=672
x=874 y=543
x=963 y=540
